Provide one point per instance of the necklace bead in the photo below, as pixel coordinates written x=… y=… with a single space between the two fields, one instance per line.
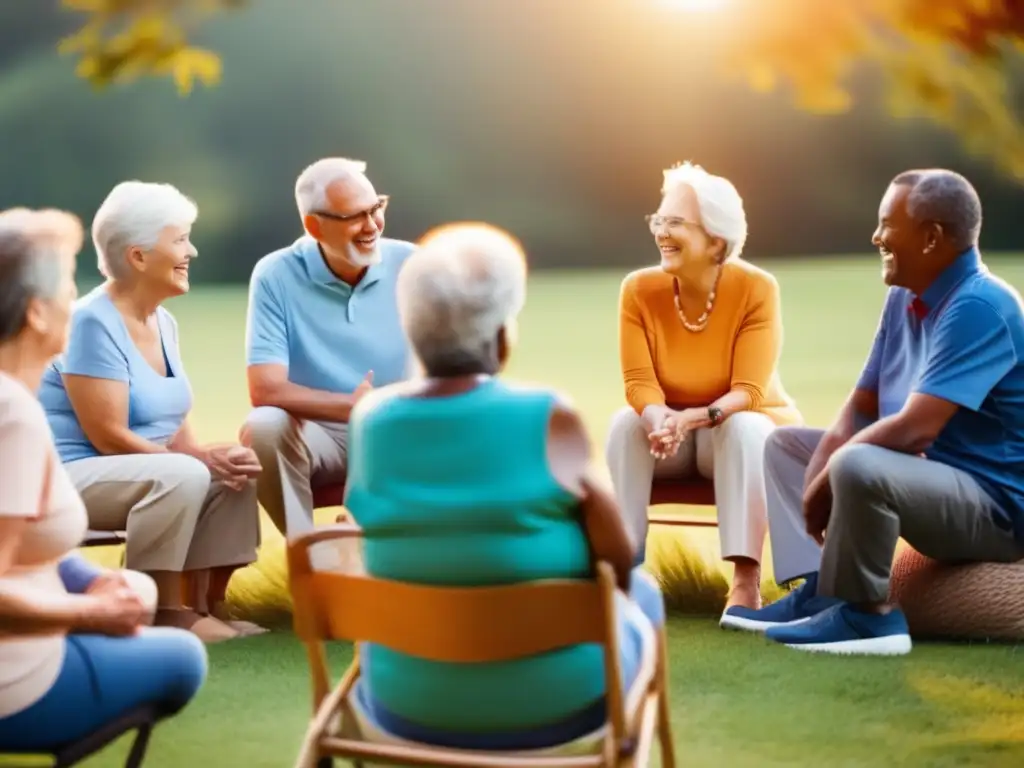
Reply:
x=702 y=321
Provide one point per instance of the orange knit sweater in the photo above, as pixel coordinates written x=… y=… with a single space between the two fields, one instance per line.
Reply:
x=663 y=363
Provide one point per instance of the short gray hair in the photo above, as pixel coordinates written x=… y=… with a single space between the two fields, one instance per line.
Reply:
x=311 y=185
x=31 y=243
x=947 y=198
x=721 y=206
x=134 y=215
x=457 y=291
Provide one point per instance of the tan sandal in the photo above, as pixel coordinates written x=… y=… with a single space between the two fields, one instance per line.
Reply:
x=244 y=628
x=207 y=628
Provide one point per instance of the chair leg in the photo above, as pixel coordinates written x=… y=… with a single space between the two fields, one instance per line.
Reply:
x=139 y=746
x=668 y=751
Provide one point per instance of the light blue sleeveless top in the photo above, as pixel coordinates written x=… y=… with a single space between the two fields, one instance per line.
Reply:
x=457 y=491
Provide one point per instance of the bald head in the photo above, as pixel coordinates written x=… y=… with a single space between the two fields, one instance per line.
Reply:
x=943 y=197
x=458 y=293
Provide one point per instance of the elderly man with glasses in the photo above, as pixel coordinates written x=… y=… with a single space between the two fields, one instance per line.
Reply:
x=322 y=328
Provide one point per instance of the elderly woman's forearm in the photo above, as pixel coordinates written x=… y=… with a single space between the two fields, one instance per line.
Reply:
x=120 y=440
x=26 y=611
x=735 y=401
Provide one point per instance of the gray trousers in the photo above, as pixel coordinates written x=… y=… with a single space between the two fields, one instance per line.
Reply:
x=296 y=456
x=878 y=496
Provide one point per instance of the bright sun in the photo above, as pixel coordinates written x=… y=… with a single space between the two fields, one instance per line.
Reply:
x=696 y=5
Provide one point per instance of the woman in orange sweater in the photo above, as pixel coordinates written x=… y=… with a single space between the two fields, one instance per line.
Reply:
x=700 y=337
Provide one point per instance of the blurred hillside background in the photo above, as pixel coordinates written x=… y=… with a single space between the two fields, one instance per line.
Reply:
x=553 y=118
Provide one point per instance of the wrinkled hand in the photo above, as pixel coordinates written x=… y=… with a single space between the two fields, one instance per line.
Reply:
x=117 y=612
x=818 y=507
x=666 y=440
x=233 y=465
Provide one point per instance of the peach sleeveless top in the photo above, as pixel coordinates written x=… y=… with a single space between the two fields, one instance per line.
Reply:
x=33 y=486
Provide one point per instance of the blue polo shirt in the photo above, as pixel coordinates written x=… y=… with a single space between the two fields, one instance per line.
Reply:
x=327 y=333
x=964 y=343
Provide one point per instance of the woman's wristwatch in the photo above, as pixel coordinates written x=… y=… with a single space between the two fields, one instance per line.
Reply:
x=715 y=415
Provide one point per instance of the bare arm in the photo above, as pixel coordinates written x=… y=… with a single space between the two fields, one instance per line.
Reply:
x=184 y=441
x=28 y=611
x=269 y=385
x=569 y=459
x=733 y=401
x=859 y=410
x=101 y=406
x=24 y=474
x=913 y=429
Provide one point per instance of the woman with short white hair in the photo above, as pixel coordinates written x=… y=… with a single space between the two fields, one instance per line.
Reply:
x=700 y=336
x=118 y=402
x=459 y=478
x=74 y=650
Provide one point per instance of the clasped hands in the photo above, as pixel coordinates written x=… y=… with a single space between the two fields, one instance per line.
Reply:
x=668 y=428
x=232 y=465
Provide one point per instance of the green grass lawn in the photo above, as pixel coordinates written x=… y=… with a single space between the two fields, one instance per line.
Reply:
x=736 y=700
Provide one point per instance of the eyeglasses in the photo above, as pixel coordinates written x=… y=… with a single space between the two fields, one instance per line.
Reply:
x=380 y=207
x=657 y=221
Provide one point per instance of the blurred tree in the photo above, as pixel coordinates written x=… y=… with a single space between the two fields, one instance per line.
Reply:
x=125 y=39
x=945 y=60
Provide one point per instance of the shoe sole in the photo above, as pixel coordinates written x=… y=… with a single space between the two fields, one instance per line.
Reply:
x=753 y=625
x=891 y=645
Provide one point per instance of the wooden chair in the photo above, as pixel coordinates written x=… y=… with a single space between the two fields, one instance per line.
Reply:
x=698 y=492
x=465 y=625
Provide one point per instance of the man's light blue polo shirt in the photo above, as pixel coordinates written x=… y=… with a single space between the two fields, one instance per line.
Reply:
x=964 y=343
x=327 y=333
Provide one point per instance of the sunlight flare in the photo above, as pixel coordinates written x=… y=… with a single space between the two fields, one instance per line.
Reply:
x=696 y=5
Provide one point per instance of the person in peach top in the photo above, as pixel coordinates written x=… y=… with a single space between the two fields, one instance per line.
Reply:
x=74 y=653
x=700 y=337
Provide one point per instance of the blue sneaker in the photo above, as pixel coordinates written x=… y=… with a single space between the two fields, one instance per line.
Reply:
x=798 y=606
x=841 y=629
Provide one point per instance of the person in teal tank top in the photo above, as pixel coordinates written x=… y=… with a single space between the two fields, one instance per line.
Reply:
x=459 y=478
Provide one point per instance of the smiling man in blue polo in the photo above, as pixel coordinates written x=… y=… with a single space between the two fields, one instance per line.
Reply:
x=929 y=446
x=322 y=330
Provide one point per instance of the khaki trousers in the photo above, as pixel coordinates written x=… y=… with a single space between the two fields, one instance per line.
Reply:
x=176 y=517
x=296 y=457
x=731 y=455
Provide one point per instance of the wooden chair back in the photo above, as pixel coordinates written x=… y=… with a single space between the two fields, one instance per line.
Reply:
x=477 y=624
x=460 y=625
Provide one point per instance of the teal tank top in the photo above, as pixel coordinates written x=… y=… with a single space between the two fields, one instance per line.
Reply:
x=457 y=491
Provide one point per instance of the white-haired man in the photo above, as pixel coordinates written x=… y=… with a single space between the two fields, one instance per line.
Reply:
x=928 y=447
x=322 y=328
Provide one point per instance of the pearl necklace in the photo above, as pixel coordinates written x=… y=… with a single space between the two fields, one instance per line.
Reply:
x=702 y=321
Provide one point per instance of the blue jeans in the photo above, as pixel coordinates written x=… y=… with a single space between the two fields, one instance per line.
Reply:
x=643 y=594
x=104 y=677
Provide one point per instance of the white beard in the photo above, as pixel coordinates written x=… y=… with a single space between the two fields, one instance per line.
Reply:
x=363 y=259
